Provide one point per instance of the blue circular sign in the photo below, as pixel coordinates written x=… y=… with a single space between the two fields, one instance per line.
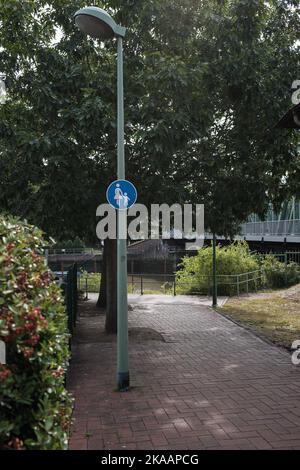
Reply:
x=121 y=194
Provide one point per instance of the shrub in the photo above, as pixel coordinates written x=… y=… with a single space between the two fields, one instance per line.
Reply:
x=277 y=274
x=69 y=244
x=90 y=280
x=35 y=407
x=195 y=275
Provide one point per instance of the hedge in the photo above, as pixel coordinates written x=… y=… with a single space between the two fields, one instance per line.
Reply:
x=195 y=273
x=35 y=407
x=279 y=274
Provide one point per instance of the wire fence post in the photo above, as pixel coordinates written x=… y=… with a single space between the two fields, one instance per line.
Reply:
x=86 y=289
x=238 y=284
x=69 y=287
x=174 y=285
x=247 y=283
x=285 y=268
x=69 y=302
x=142 y=285
x=74 y=291
x=255 y=284
x=214 y=286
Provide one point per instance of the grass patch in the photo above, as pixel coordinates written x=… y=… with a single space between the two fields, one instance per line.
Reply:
x=276 y=317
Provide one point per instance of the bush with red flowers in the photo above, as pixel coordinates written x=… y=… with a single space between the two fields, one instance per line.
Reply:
x=35 y=407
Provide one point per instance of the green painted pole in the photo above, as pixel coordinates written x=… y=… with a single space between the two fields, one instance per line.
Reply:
x=285 y=268
x=122 y=306
x=215 y=294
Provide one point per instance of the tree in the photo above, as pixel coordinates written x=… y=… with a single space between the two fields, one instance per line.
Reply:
x=200 y=82
x=245 y=163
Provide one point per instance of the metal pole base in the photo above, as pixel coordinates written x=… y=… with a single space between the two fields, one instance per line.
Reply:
x=123 y=381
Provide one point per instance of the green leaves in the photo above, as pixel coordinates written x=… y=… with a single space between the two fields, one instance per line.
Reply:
x=205 y=83
x=232 y=260
x=35 y=407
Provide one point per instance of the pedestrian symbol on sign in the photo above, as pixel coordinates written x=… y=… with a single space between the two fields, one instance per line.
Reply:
x=121 y=194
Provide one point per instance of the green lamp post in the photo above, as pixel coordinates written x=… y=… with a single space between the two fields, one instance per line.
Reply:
x=214 y=286
x=96 y=23
x=2 y=90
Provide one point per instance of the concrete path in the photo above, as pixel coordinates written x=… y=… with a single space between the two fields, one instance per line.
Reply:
x=209 y=384
x=150 y=299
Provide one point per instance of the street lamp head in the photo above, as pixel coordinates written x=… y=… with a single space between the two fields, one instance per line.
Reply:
x=97 y=23
x=291 y=120
x=2 y=90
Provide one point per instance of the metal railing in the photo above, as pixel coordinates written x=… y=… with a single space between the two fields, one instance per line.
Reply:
x=274 y=228
x=71 y=251
x=69 y=287
x=227 y=284
x=239 y=283
x=169 y=284
x=287 y=257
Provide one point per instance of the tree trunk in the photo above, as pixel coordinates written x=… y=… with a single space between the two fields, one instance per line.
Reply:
x=111 y=287
x=102 y=299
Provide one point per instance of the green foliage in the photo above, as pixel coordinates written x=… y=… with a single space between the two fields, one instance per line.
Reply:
x=35 y=407
x=233 y=262
x=200 y=82
x=68 y=244
x=167 y=288
x=195 y=275
x=91 y=281
x=278 y=274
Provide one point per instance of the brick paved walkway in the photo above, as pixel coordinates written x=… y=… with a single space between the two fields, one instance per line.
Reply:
x=209 y=385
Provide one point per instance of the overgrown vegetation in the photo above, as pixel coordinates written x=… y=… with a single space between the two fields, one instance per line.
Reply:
x=69 y=244
x=89 y=281
x=195 y=275
x=278 y=274
x=275 y=316
x=238 y=271
x=187 y=95
x=35 y=407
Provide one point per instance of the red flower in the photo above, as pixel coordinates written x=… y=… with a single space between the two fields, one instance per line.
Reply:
x=10 y=247
x=22 y=281
x=46 y=278
x=19 y=330
x=35 y=256
x=28 y=352
x=33 y=340
x=16 y=443
x=59 y=372
x=29 y=326
x=4 y=373
x=7 y=261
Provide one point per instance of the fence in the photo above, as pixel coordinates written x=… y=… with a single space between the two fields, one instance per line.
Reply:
x=71 y=251
x=240 y=283
x=272 y=228
x=234 y=284
x=69 y=286
x=168 y=284
x=287 y=257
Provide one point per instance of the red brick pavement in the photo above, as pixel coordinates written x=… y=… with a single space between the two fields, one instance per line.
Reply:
x=209 y=385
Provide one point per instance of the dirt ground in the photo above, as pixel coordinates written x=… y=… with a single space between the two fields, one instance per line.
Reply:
x=273 y=315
